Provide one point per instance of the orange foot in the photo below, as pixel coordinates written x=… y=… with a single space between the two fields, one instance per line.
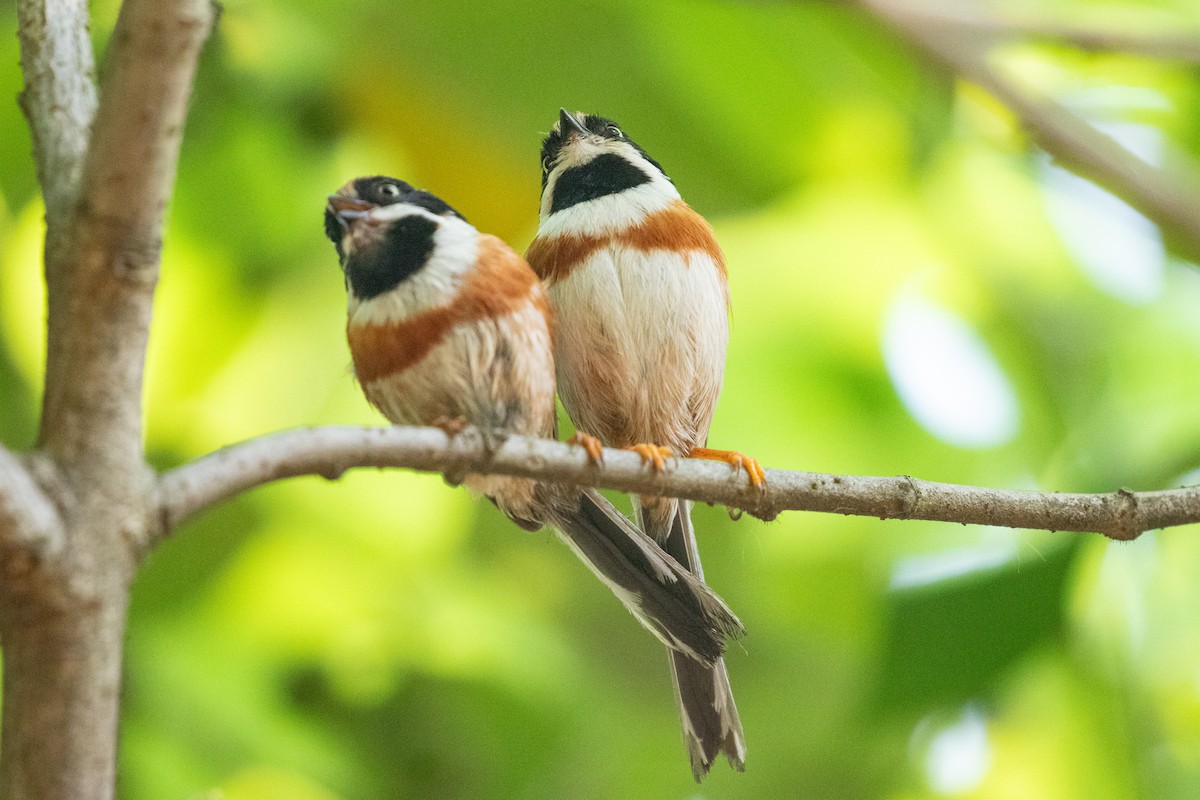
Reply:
x=451 y=426
x=591 y=444
x=758 y=478
x=654 y=455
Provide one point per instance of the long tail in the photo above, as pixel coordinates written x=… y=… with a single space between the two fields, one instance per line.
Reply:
x=711 y=724
x=670 y=601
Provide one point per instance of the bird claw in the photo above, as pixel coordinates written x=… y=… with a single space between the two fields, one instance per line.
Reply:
x=491 y=439
x=451 y=426
x=739 y=461
x=463 y=437
x=654 y=455
x=595 y=450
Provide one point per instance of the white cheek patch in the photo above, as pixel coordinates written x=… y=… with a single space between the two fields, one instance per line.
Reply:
x=611 y=212
x=455 y=248
x=399 y=210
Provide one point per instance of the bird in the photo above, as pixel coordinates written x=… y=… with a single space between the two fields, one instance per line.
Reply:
x=449 y=326
x=639 y=290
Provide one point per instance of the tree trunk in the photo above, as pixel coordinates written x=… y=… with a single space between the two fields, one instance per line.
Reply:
x=62 y=671
x=107 y=169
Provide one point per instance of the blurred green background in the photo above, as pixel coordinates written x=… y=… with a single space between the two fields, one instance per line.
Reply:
x=915 y=291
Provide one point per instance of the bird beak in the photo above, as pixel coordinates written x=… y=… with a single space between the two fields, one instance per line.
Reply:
x=344 y=209
x=567 y=124
x=348 y=207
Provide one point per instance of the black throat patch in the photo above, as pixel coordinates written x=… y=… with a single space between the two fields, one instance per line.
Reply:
x=402 y=250
x=604 y=175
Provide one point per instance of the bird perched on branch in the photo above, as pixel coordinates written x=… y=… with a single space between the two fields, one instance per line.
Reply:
x=448 y=326
x=639 y=291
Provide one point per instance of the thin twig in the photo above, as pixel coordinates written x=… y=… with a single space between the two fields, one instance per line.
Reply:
x=1170 y=198
x=1154 y=43
x=330 y=451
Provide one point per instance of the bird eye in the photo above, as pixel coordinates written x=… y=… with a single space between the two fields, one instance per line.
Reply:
x=388 y=191
x=615 y=131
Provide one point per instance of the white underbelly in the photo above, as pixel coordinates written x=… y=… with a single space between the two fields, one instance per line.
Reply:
x=640 y=345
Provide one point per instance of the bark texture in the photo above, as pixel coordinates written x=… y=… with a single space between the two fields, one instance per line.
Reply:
x=330 y=451
x=107 y=169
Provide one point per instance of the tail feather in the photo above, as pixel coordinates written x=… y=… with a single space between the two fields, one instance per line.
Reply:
x=669 y=600
x=711 y=724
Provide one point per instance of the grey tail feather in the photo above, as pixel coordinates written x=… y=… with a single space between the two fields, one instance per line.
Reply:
x=711 y=724
x=671 y=602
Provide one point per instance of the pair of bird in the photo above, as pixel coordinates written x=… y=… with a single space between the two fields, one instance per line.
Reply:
x=447 y=323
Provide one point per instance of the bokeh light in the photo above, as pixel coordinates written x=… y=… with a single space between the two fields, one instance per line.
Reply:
x=915 y=291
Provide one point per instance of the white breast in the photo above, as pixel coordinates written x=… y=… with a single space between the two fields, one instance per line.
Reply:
x=640 y=345
x=611 y=213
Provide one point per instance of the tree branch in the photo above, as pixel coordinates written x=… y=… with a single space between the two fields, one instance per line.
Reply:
x=28 y=520
x=1158 y=44
x=100 y=297
x=59 y=99
x=139 y=126
x=330 y=451
x=1167 y=197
